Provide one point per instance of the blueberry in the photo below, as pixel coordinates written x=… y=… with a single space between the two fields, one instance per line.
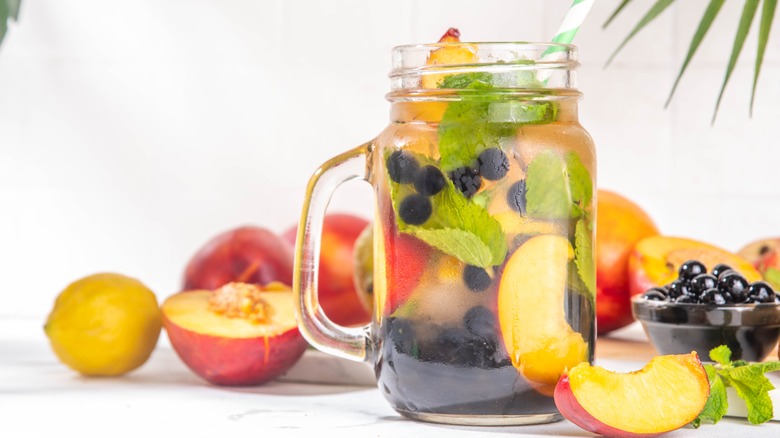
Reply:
x=702 y=282
x=493 y=164
x=731 y=282
x=515 y=196
x=476 y=278
x=720 y=269
x=429 y=181
x=761 y=292
x=691 y=268
x=687 y=299
x=716 y=296
x=402 y=167
x=678 y=288
x=480 y=322
x=415 y=209
x=656 y=294
x=467 y=180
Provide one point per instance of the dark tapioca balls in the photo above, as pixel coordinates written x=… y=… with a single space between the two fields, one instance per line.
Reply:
x=429 y=181
x=415 y=209
x=402 y=167
x=687 y=299
x=515 y=196
x=466 y=180
x=480 y=322
x=702 y=282
x=678 y=288
x=717 y=297
x=691 y=269
x=733 y=283
x=656 y=294
x=493 y=164
x=720 y=269
x=476 y=278
x=761 y=292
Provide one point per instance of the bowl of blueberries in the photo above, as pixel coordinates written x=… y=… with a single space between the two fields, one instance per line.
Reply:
x=701 y=310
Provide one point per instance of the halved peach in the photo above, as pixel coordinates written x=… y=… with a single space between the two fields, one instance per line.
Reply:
x=240 y=334
x=764 y=254
x=665 y=395
x=539 y=340
x=655 y=261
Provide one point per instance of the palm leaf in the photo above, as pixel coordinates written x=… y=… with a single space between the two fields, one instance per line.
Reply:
x=615 y=14
x=767 y=15
x=701 y=31
x=655 y=11
x=4 y=14
x=745 y=21
x=13 y=8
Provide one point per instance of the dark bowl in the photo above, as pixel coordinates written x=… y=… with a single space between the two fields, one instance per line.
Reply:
x=751 y=331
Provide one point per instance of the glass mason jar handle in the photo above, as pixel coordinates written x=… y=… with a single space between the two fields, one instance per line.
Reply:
x=347 y=342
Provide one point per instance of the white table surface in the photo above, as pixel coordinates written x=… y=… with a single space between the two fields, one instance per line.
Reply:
x=40 y=397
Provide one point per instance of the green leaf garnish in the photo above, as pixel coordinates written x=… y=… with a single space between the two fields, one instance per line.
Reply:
x=655 y=11
x=747 y=379
x=583 y=255
x=557 y=188
x=745 y=21
x=481 y=118
x=767 y=15
x=704 y=25
x=457 y=226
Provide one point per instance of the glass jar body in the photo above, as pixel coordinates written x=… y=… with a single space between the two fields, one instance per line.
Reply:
x=484 y=279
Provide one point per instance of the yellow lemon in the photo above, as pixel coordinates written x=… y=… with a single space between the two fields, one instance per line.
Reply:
x=104 y=325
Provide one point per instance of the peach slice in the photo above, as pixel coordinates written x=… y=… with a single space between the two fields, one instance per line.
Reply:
x=239 y=334
x=452 y=53
x=665 y=395
x=655 y=261
x=531 y=293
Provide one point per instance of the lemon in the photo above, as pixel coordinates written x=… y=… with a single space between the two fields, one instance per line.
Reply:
x=104 y=324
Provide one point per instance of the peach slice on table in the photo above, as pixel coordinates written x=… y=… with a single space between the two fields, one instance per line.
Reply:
x=668 y=393
x=655 y=261
x=531 y=293
x=240 y=334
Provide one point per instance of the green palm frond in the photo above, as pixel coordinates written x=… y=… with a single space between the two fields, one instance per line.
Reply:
x=9 y=10
x=749 y=11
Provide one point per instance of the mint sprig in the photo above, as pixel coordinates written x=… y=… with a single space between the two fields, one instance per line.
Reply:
x=747 y=379
x=558 y=188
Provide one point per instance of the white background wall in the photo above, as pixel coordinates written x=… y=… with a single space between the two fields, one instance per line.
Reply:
x=131 y=132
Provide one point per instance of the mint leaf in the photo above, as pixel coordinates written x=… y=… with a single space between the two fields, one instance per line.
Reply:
x=772 y=275
x=718 y=403
x=583 y=255
x=747 y=379
x=460 y=243
x=459 y=227
x=547 y=194
x=579 y=180
x=752 y=386
x=482 y=117
x=721 y=355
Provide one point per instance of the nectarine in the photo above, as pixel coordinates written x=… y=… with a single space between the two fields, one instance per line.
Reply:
x=655 y=261
x=764 y=254
x=668 y=393
x=620 y=224
x=239 y=334
x=246 y=254
x=337 y=294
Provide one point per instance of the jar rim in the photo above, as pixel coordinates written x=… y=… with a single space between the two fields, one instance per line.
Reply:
x=554 y=63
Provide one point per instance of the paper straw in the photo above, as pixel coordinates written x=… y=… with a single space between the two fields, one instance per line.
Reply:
x=571 y=24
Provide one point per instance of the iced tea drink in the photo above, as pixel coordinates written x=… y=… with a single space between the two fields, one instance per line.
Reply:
x=484 y=278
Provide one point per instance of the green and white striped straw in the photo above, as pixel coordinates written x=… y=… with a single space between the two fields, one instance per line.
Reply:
x=571 y=24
